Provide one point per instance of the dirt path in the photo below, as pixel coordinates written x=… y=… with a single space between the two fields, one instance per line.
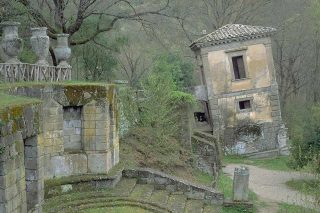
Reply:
x=270 y=185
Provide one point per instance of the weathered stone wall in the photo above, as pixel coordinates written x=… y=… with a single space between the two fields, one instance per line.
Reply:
x=171 y=183
x=208 y=152
x=252 y=143
x=48 y=139
x=21 y=165
x=96 y=149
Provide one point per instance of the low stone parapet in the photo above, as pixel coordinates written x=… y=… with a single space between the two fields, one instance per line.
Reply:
x=172 y=183
x=80 y=183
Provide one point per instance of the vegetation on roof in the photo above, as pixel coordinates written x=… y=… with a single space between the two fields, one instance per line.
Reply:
x=11 y=101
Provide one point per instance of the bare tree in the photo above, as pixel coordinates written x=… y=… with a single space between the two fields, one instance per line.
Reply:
x=222 y=12
x=210 y=15
x=293 y=59
x=133 y=64
x=68 y=16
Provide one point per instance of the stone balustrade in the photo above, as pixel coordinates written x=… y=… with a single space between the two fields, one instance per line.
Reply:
x=14 y=70
x=33 y=72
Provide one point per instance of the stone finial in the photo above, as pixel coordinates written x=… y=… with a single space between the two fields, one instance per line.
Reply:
x=40 y=44
x=11 y=43
x=241 y=184
x=62 y=51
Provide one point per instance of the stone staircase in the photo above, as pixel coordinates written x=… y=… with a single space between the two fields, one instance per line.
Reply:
x=208 y=149
x=128 y=192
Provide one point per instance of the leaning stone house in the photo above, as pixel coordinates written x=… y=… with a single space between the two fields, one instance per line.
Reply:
x=239 y=82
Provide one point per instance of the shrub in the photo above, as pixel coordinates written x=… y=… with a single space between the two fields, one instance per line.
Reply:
x=304 y=133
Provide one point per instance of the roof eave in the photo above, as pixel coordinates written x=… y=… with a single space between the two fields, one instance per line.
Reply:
x=198 y=45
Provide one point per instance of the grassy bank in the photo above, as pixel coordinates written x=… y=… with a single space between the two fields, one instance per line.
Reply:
x=278 y=163
x=309 y=187
x=288 y=208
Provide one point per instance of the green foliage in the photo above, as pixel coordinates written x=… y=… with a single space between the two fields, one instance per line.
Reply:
x=310 y=187
x=182 y=97
x=289 y=208
x=181 y=70
x=157 y=111
x=203 y=178
x=2 y=149
x=9 y=100
x=155 y=106
x=97 y=58
x=27 y=55
x=304 y=131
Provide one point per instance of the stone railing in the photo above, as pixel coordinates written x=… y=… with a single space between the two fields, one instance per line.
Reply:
x=33 y=72
x=172 y=183
x=13 y=70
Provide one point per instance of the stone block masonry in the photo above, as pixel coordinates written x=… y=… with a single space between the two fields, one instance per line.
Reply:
x=73 y=131
x=249 y=93
x=21 y=168
x=171 y=183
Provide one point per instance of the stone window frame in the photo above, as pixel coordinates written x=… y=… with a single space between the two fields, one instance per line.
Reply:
x=74 y=151
x=236 y=53
x=237 y=101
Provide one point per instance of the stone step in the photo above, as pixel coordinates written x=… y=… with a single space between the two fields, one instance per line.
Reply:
x=195 y=138
x=194 y=206
x=160 y=196
x=177 y=203
x=79 y=205
x=204 y=140
x=124 y=187
x=142 y=191
x=209 y=137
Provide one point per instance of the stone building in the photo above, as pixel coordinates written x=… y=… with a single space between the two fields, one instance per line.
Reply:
x=57 y=130
x=239 y=90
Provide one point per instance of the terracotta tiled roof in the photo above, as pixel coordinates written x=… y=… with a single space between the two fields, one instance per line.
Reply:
x=233 y=32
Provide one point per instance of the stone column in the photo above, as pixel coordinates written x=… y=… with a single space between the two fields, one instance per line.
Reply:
x=97 y=128
x=34 y=173
x=241 y=184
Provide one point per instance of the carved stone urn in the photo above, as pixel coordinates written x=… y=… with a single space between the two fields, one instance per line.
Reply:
x=62 y=51
x=40 y=44
x=11 y=43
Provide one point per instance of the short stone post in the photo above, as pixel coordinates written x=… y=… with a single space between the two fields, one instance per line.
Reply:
x=241 y=184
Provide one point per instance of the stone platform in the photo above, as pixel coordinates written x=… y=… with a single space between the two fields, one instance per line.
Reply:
x=65 y=129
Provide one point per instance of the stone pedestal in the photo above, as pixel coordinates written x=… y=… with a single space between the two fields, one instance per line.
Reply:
x=241 y=184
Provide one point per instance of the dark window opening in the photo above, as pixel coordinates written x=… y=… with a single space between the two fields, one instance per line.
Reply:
x=238 y=67
x=244 y=104
x=72 y=128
